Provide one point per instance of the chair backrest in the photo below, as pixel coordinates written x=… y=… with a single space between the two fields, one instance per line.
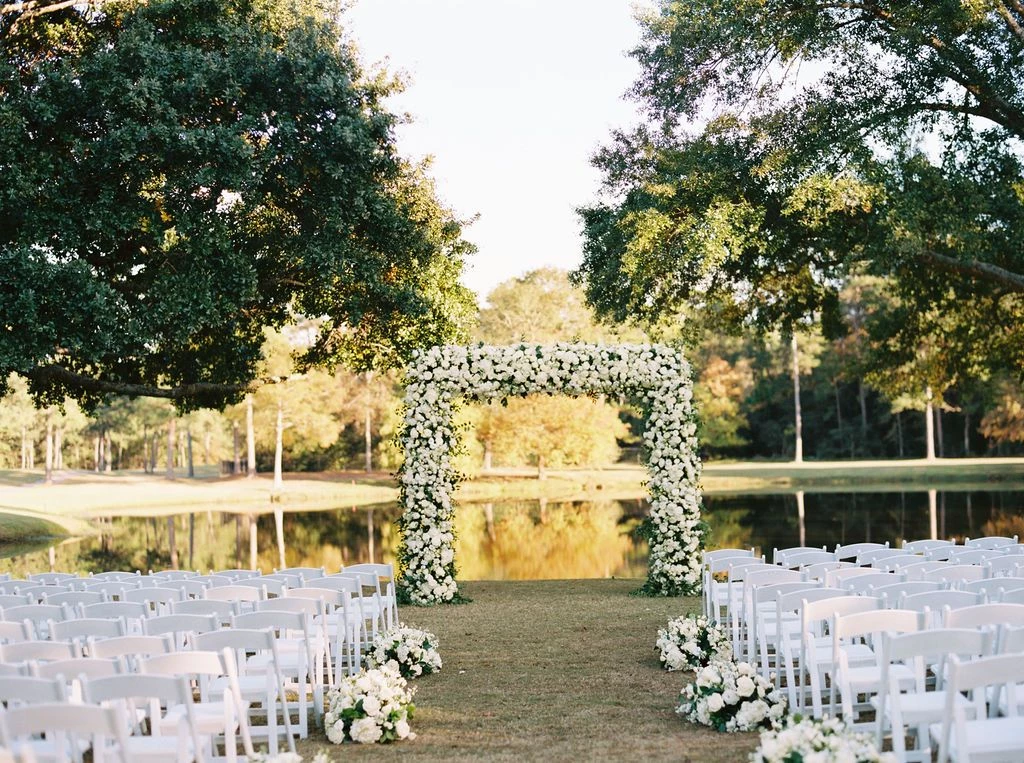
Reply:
x=37 y=593
x=937 y=600
x=14 y=600
x=870 y=557
x=52 y=578
x=307 y=606
x=992 y=586
x=213 y=581
x=102 y=724
x=88 y=627
x=222 y=610
x=235 y=592
x=956 y=573
x=306 y=573
x=862 y=583
x=804 y=558
x=1004 y=565
x=90 y=667
x=853 y=550
x=267 y=585
x=794 y=601
x=1016 y=596
x=936 y=641
x=274 y=619
x=352 y=585
x=176 y=575
x=132 y=610
x=724 y=553
x=74 y=598
x=770 y=593
x=838 y=577
x=237 y=574
x=973 y=555
x=115 y=576
x=779 y=554
x=1010 y=639
x=14 y=632
x=875 y=622
x=180 y=624
x=37 y=614
x=896 y=563
x=38 y=650
x=819 y=570
x=990 y=541
x=984 y=614
x=920 y=546
x=330 y=596
x=771 y=574
x=154 y=596
x=826 y=608
x=131 y=646
x=737 y=572
x=292 y=580
x=894 y=591
x=188 y=588
x=112 y=588
x=917 y=571
x=25 y=690
x=940 y=553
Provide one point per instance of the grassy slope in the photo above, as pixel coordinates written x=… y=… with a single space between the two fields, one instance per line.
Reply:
x=552 y=670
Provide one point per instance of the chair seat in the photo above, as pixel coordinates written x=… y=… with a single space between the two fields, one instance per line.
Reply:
x=156 y=748
x=870 y=676
x=923 y=707
x=990 y=736
x=209 y=719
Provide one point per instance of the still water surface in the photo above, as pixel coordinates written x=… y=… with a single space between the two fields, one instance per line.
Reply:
x=529 y=540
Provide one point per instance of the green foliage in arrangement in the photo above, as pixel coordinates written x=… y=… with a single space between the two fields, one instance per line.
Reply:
x=180 y=175
x=792 y=146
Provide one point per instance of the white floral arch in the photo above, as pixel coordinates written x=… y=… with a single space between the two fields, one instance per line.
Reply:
x=439 y=377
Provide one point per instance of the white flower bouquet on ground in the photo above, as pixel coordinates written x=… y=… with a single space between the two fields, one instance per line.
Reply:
x=411 y=651
x=817 y=740
x=373 y=706
x=731 y=696
x=692 y=641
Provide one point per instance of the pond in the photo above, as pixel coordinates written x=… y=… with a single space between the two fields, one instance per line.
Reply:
x=527 y=540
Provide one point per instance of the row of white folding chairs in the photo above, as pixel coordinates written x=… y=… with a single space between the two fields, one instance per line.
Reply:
x=157 y=717
x=268 y=643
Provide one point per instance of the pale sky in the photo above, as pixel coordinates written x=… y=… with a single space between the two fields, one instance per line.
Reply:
x=510 y=97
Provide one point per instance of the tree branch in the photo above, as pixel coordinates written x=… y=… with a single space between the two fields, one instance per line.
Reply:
x=983 y=271
x=1011 y=22
x=49 y=374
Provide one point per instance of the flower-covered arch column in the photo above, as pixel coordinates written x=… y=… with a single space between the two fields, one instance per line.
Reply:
x=438 y=378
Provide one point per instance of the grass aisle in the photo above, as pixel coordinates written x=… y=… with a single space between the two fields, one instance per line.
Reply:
x=551 y=670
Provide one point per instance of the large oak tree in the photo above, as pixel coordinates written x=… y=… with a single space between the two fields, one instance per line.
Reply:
x=176 y=176
x=789 y=144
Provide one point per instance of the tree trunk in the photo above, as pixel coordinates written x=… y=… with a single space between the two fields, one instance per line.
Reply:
x=933 y=515
x=279 y=446
x=967 y=433
x=367 y=422
x=24 y=448
x=929 y=426
x=171 y=543
x=798 y=454
x=250 y=438
x=145 y=448
x=96 y=453
x=801 y=517
x=48 y=473
x=108 y=460
x=938 y=433
x=279 y=532
x=170 y=448
x=58 y=449
x=899 y=432
x=862 y=398
x=152 y=452
x=369 y=534
x=253 y=543
x=237 y=453
x=188 y=452
x=487 y=456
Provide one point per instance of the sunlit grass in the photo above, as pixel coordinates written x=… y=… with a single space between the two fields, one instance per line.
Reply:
x=550 y=670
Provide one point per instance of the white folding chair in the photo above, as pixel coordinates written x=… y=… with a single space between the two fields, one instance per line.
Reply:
x=983 y=738
x=237 y=574
x=868 y=558
x=14 y=632
x=39 y=650
x=902 y=709
x=837 y=578
x=37 y=615
x=858 y=628
x=990 y=542
x=956 y=574
x=715 y=562
x=981 y=615
x=130 y=648
x=932 y=604
x=780 y=555
x=895 y=563
x=181 y=628
x=132 y=612
x=72 y=672
x=794 y=561
x=157 y=600
x=745 y=617
x=788 y=637
x=821 y=569
x=853 y=550
x=17 y=691
x=222 y=610
x=146 y=697
x=925 y=544
x=52 y=578
x=67 y=728
x=224 y=712
x=384 y=580
x=766 y=625
x=862 y=583
x=260 y=681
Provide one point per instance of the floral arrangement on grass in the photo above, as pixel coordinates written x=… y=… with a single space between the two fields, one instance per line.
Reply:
x=691 y=642
x=438 y=378
x=373 y=706
x=731 y=696
x=804 y=740
x=288 y=757
x=410 y=651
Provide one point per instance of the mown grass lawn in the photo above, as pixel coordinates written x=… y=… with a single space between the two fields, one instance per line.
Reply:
x=550 y=670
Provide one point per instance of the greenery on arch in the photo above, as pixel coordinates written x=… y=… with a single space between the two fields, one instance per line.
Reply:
x=439 y=378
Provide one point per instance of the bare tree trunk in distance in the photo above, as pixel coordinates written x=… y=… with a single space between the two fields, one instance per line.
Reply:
x=96 y=453
x=188 y=450
x=48 y=478
x=862 y=397
x=250 y=439
x=238 y=453
x=367 y=421
x=108 y=461
x=279 y=447
x=58 y=449
x=170 y=448
x=798 y=453
x=152 y=452
x=279 y=531
x=939 y=437
x=929 y=427
x=967 y=433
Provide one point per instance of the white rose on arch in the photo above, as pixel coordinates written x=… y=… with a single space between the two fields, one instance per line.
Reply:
x=439 y=376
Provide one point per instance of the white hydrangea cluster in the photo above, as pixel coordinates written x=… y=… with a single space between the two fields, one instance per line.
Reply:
x=692 y=641
x=818 y=741
x=653 y=374
x=731 y=696
x=372 y=706
x=410 y=651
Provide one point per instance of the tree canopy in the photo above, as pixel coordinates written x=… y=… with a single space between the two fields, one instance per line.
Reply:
x=791 y=145
x=180 y=175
